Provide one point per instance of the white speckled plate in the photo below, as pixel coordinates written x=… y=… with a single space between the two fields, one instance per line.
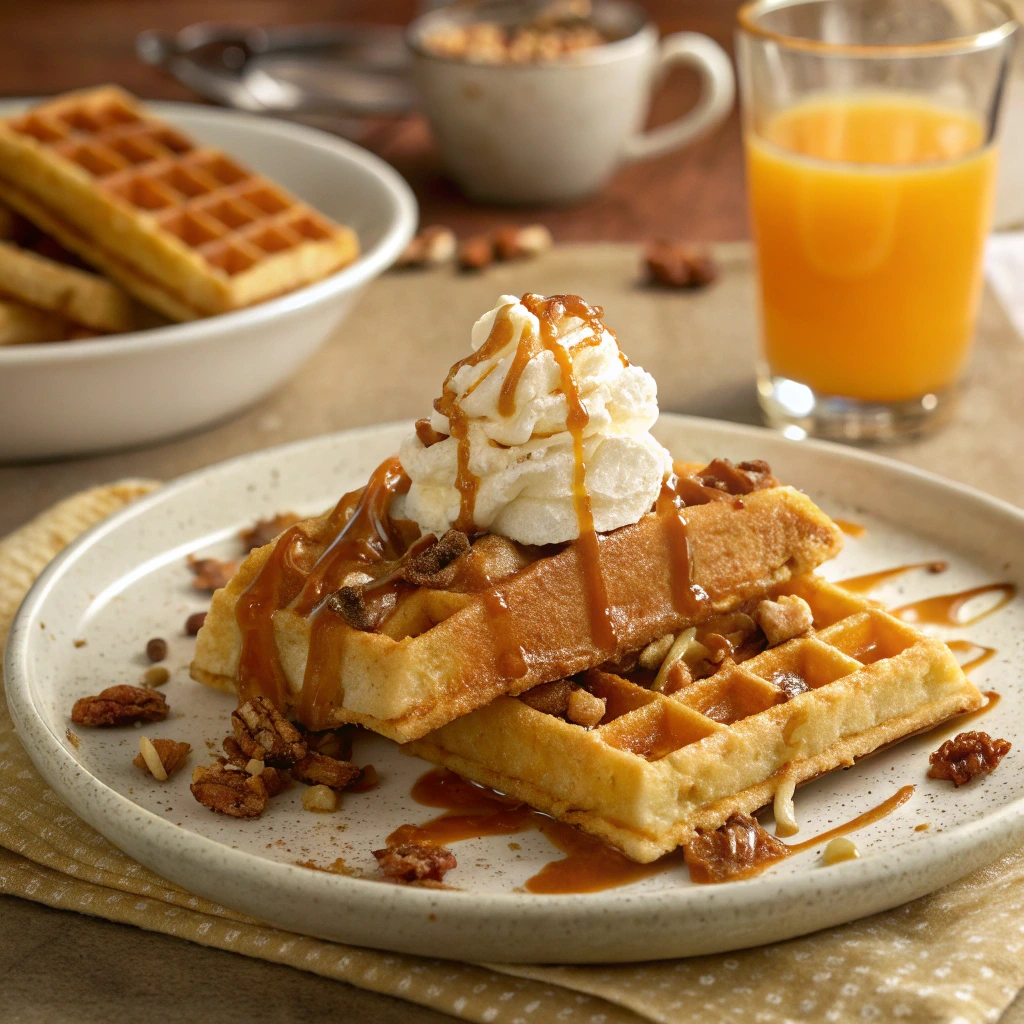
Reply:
x=125 y=581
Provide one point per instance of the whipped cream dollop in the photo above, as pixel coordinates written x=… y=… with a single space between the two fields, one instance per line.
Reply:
x=517 y=448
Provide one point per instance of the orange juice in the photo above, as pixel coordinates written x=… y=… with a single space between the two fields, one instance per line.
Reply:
x=869 y=215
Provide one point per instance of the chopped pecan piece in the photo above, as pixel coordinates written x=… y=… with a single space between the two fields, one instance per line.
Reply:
x=368 y=779
x=476 y=253
x=415 y=862
x=551 y=698
x=736 y=850
x=265 y=734
x=719 y=647
x=120 y=705
x=427 y=434
x=432 y=246
x=263 y=531
x=332 y=742
x=783 y=619
x=229 y=790
x=512 y=243
x=654 y=653
x=790 y=683
x=679 y=264
x=194 y=623
x=321 y=770
x=584 y=708
x=363 y=602
x=743 y=478
x=210 y=574
x=966 y=756
x=170 y=756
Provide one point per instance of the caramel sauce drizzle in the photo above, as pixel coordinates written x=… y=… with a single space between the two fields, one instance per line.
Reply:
x=944 y=610
x=699 y=873
x=510 y=653
x=873 y=580
x=472 y=812
x=590 y=865
x=687 y=596
x=549 y=312
x=854 y=530
x=361 y=531
x=467 y=483
x=975 y=654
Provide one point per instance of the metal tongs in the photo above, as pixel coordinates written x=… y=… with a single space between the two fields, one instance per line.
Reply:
x=335 y=70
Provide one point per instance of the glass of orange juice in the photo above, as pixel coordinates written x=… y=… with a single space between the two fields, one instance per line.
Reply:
x=869 y=130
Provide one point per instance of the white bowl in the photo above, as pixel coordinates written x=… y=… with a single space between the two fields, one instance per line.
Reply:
x=68 y=398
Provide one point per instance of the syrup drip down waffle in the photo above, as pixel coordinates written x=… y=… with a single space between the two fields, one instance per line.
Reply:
x=184 y=228
x=658 y=767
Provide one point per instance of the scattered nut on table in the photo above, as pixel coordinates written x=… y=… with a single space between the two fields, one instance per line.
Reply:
x=679 y=264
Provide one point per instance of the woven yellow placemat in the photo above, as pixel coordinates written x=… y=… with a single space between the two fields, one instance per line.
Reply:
x=956 y=956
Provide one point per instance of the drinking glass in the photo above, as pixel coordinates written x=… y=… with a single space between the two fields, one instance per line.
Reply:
x=869 y=129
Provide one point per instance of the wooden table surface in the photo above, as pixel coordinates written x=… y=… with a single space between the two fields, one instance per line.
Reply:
x=48 y=47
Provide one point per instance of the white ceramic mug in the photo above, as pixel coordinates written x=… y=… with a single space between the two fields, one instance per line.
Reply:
x=554 y=131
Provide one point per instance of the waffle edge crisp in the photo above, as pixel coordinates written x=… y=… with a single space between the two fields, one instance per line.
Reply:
x=443 y=664
x=659 y=767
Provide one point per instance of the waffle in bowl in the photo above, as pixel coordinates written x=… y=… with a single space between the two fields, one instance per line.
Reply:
x=659 y=766
x=499 y=618
x=184 y=228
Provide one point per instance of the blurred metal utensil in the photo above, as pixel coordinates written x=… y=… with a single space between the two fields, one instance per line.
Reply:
x=347 y=71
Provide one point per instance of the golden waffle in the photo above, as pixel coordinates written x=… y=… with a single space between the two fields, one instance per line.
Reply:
x=443 y=653
x=183 y=227
x=658 y=767
x=23 y=325
x=68 y=292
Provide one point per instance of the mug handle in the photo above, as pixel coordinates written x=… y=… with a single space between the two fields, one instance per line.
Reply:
x=717 y=92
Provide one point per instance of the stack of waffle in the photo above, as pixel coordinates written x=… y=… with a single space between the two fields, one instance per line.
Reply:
x=707 y=707
x=115 y=221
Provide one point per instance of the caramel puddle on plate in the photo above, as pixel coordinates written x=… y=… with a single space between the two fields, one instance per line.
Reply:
x=944 y=610
x=472 y=812
x=854 y=530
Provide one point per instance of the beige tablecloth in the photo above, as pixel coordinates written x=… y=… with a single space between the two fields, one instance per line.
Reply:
x=954 y=956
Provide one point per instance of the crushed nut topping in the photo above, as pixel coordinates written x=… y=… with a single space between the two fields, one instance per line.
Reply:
x=364 y=603
x=584 y=708
x=654 y=653
x=210 y=574
x=332 y=742
x=156 y=649
x=321 y=770
x=368 y=779
x=265 y=734
x=784 y=619
x=194 y=623
x=966 y=756
x=742 y=478
x=166 y=755
x=263 y=531
x=320 y=799
x=551 y=698
x=738 y=849
x=120 y=705
x=155 y=675
x=430 y=247
x=427 y=434
x=679 y=264
x=790 y=683
x=415 y=862
x=230 y=791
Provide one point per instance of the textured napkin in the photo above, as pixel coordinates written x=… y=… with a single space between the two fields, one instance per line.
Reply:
x=955 y=957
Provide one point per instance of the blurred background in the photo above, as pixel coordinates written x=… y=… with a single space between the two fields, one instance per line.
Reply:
x=696 y=193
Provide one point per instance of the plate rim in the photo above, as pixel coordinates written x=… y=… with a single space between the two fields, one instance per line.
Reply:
x=75 y=785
